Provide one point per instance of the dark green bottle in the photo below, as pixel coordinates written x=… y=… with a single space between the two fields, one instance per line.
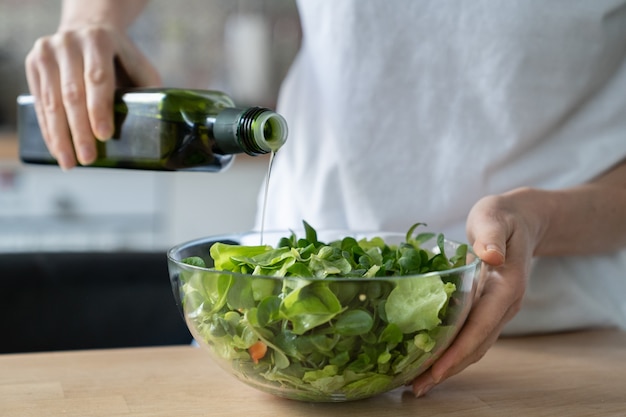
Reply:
x=168 y=130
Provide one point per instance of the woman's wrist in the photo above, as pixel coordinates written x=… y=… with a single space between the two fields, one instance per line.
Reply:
x=78 y=14
x=583 y=220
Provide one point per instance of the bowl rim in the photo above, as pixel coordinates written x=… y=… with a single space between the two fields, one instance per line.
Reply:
x=473 y=265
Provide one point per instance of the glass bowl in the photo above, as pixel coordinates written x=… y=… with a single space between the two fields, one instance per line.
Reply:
x=322 y=339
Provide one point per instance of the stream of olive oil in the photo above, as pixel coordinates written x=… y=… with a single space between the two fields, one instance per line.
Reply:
x=266 y=193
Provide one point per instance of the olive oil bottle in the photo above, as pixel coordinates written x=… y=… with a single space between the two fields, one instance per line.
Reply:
x=168 y=129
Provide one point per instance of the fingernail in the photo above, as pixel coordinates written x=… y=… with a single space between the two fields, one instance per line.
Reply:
x=493 y=248
x=103 y=130
x=425 y=385
x=424 y=390
x=87 y=154
x=497 y=251
x=66 y=161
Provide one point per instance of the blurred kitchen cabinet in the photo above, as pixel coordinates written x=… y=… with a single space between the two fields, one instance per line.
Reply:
x=45 y=209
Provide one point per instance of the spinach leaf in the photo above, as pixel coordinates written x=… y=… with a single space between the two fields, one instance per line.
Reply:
x=310 y=306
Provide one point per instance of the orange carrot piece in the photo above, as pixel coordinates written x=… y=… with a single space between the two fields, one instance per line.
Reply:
x=257 y=351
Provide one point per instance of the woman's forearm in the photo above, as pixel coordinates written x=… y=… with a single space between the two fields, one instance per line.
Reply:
x=587 y=219
x=117 y=13
x=583 y=220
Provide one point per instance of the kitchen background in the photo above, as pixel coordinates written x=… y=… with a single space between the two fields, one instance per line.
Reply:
x=242 y=47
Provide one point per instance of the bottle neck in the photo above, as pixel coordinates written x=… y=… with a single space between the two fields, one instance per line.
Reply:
x=254 y=130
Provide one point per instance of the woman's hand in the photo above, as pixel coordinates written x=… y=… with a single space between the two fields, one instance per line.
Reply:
x=504 y=231
x=72 y=75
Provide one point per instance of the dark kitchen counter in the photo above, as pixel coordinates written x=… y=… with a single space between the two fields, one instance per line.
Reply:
x=64 y=301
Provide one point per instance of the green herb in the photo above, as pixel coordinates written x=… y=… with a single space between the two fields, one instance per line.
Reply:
x=328 y=327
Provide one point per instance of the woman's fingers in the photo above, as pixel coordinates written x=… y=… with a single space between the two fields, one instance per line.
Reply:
x=72 y=76
x=498 y=303
x=488 y=231
x=70 y=58
x=52 y=67
x=99 y=78
x=501 y=237
x=43 y=68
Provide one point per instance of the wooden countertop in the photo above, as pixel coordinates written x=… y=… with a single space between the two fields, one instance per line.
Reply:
x=8 y=146
x=570 y=374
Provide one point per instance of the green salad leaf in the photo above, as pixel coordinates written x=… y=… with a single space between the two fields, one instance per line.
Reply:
x=326 y=327
x=415 y=304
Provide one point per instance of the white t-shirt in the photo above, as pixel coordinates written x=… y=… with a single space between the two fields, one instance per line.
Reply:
x=406 y=111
